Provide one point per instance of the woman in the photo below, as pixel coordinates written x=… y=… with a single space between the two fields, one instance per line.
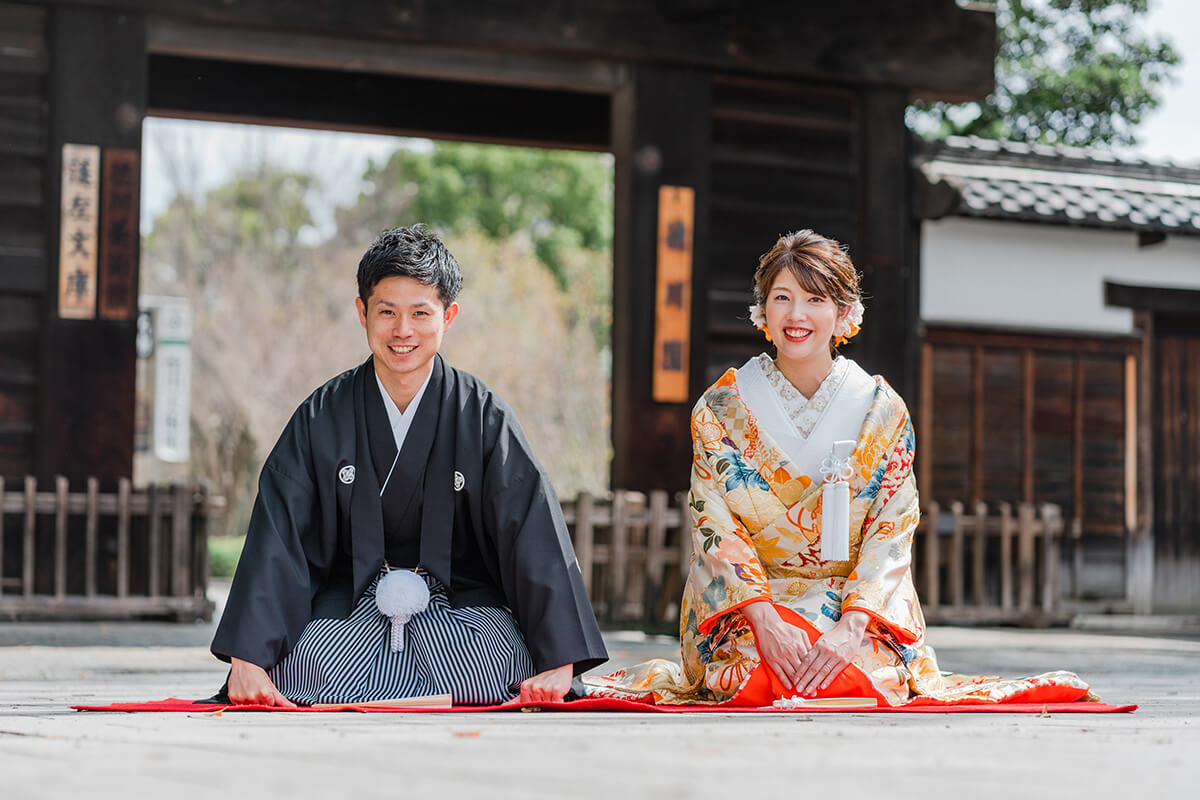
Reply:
x=764 y=616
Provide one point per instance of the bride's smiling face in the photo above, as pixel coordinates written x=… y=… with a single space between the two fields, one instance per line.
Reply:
x=800 y=323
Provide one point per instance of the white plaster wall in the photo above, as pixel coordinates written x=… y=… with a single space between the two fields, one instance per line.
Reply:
x=1017 y=274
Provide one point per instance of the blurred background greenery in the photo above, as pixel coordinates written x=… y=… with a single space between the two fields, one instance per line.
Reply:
x=272 y=292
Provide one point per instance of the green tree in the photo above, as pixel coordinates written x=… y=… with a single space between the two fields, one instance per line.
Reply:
x=561 y=200
x=260 y=212
x=1075 y=72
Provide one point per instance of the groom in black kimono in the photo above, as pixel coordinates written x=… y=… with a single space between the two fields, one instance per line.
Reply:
x=457 y=493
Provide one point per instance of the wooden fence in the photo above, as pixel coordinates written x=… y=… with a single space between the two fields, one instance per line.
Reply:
x=143 y=554
x=634 y=551
x=89 y=554
x=991 y=566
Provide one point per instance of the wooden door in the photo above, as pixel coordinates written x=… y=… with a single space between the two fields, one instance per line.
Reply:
x=1177 y=462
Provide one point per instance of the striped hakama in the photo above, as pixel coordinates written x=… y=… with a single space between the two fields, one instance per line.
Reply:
x=476 y=654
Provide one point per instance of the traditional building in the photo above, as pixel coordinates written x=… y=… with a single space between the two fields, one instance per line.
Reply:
x=1060 y=308
x=730 y=123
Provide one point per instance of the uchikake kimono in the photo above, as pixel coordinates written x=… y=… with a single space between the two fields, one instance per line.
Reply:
x=466 y=501
x=755 y=508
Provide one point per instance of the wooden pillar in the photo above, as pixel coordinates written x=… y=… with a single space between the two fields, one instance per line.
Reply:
x=886 y=252
x=661 y=137
x=97 y=88
x=1139 y=558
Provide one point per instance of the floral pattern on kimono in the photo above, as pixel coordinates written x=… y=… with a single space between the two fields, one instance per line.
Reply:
x=756 y=536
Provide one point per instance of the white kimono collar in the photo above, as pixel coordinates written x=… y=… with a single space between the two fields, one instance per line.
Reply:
x=841 y=418
x=401 y=421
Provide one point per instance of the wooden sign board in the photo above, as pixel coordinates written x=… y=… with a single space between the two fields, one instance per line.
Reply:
x=118 y=235
x=673 y=306
x=79 y=223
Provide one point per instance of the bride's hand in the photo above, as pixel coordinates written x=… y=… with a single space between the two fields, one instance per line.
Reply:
x=781 y=646
x=831 y=654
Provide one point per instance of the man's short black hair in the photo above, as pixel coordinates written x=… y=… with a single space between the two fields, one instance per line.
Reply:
x=411 y=252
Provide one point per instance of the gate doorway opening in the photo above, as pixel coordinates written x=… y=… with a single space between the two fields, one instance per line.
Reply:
x=255 y=233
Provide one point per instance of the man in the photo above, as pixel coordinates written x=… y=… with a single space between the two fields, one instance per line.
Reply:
x=405 y=462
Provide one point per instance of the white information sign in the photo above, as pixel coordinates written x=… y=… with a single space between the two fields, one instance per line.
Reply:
x=172 y=382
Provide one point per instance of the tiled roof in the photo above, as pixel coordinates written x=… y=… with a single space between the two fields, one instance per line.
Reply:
x=1065 y=185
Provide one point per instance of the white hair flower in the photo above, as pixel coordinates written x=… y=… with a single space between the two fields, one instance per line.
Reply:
x=758 y=317
x=849 y=327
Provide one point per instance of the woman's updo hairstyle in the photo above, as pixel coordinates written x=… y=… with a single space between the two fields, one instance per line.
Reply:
x=821 y=267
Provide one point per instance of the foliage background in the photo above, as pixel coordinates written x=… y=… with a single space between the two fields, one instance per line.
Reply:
x=274 y=310
x=1074 y=72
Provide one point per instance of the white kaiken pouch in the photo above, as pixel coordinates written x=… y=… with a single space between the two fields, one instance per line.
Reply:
x=835 y=503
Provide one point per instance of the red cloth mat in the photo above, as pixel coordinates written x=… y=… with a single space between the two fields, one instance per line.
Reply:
x=611 y=704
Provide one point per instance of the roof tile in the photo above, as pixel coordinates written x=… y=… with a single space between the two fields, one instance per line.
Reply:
x=1066 y=185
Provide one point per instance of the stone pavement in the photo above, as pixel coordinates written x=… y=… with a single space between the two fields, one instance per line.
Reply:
x=46 y=750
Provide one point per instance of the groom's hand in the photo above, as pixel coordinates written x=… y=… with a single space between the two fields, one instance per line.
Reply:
x=547 y=687
x=249 y=684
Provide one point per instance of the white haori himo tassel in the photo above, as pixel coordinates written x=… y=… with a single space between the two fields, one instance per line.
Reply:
x=400 y=595
x=835 y=503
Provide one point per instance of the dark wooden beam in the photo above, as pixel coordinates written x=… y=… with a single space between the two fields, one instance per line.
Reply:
x=351 y=54
x=933 y=199
x=661 y=136
x=890 y=339
x=1159 y=299
x=336 y=99
x=1044 y=340
x=935 y=48
x=97 y=93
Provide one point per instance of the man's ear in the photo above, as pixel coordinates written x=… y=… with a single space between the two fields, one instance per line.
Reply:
x=451 y=313
x=362 y=311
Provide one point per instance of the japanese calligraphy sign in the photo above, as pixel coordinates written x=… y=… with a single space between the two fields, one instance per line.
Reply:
x=77 y=243
x=118 y=234
x=673 y=306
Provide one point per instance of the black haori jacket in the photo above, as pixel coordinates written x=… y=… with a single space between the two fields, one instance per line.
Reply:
x=491 y=528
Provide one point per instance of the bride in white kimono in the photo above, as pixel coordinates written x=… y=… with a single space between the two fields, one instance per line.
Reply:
x=789 y=594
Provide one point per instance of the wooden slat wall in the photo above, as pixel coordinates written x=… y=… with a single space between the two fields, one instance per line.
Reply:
x=783 y=158
x=949 y=458
x=1000 y=466
x=1054 y=426
x=1177 y=466
x=1102 y=488
x=1029 y=419
x=23 y=125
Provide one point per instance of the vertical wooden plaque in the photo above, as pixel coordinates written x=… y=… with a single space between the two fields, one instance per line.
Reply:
x=77 y=241
x=673 y=307
x=118 y=235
